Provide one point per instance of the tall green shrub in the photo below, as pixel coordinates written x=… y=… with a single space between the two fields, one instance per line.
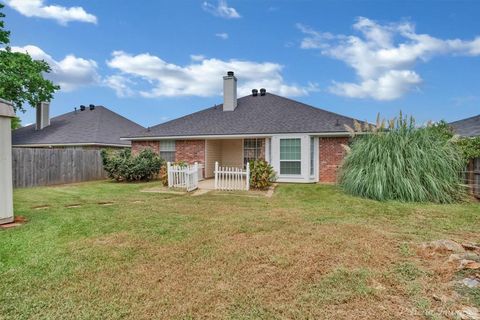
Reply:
x=123 y=166
x=403 y=163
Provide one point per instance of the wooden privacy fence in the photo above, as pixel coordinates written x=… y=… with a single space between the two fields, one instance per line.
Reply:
x=231 y=178
x=44 y=166
x=183 y=176
x=472 y=176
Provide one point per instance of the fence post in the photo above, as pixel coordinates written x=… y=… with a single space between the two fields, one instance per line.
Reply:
x=169 y=176
x=248 y=177
x=216 y=175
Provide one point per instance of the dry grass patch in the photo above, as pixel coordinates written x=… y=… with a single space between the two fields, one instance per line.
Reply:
x=309 y=252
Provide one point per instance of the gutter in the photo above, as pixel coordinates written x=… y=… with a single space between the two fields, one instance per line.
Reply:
x=68 y=145
x=227 y=136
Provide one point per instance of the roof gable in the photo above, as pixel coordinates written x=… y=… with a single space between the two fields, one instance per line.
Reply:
x=268 y=114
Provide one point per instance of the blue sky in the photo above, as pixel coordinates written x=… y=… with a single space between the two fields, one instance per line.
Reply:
x=153 y=61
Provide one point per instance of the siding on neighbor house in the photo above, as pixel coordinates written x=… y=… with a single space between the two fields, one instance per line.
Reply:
x=331 y=154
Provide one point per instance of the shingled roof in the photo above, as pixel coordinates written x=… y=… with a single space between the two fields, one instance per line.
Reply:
x=268 y=114
x=99 y=126
x=469 y=127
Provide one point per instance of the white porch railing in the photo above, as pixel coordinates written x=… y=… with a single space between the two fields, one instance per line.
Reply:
x=230 y=178
x=185 y=176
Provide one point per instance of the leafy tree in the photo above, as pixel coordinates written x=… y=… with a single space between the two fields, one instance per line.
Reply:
x=21 y=77
x=16 y=123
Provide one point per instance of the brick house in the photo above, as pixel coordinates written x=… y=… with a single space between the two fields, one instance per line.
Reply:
x=301 y=142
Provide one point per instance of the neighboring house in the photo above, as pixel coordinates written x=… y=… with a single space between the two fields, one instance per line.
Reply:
x=87 y=127
x=301 y=142
x=470 y=127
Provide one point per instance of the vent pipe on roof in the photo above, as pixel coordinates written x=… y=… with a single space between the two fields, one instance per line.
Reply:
x=43 y=115
x=82 y=107
x=254 y=92
x=263 y=91
x=229 y=92
x=92 y=107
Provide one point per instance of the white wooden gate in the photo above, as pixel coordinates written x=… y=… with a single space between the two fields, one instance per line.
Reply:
x=230 y=178
x=183 y=176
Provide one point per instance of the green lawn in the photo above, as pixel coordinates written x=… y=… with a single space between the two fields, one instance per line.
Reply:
x=309 y=252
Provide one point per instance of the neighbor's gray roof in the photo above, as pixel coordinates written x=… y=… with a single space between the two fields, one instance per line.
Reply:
x=99 y=126
x=469 y=127
x=269 y=114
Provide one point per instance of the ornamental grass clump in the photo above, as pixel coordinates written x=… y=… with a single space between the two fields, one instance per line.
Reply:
x=403 y=162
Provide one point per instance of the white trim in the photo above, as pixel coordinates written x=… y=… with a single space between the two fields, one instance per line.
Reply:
x=68 y=145
x=232 y=136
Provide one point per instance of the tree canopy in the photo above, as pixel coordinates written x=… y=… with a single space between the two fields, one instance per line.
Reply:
x=21 y=77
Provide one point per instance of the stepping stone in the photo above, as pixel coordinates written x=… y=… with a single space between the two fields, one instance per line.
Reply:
x=73 y=206
x=199 y=192
x=10 y=225
x=41 y=207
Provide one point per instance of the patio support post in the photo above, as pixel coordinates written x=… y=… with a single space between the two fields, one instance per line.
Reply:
x=6 y=182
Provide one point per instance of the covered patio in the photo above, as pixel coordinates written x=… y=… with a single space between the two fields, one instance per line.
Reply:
x=231 y=153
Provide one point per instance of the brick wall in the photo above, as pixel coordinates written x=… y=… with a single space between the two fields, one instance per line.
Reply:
x=190 y=151
x=331 y=156
x=138 y=146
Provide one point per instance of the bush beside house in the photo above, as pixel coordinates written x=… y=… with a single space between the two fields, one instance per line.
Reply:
x=404 y=162
x=262 y=174
x=123 y=166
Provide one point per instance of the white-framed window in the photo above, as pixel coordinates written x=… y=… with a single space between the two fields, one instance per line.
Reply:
x=251 y=150
x=167 y=150
x=312 y=156
x=290 y=156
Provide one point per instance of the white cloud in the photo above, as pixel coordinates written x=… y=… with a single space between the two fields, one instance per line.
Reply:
x=37 y=8
x=202 y=77
x=383 y=56
x=120 y=84
x=70 y=73
x=197 y=57
x=221 y=10
x=222 y=35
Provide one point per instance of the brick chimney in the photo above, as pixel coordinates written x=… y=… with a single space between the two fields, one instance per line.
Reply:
x=229 y=92
x=43 y=115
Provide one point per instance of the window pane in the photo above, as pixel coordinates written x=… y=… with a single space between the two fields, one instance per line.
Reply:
x=168 y=155
x=290 y=149
x=167 y=145
x=251 y=150
x=290 y=167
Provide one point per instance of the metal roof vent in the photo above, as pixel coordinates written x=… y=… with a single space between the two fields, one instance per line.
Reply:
x=263 y=91
x=92 y=107
x=82 y=108
x=254 y=92
x=230 y=73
